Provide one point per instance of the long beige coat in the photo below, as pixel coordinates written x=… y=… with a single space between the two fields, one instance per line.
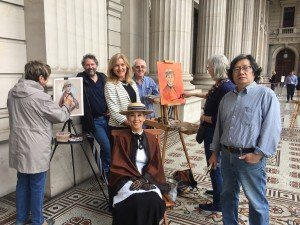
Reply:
x=31 y=115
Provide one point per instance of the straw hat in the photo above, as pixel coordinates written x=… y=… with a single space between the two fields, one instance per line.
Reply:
x=136 y=107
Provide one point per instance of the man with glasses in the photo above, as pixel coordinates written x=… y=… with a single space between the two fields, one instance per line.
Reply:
x=146 y=85
x=247 y=132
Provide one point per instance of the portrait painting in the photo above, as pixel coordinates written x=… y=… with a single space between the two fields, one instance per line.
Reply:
x=70 y=90
x=170 y=83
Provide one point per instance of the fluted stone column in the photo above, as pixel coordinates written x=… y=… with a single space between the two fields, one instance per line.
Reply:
x=256 y=28
x=247 y=26
x=211 y=32
x=60 y=33
x=170 y=35
x=135 y=29
x=234 y=28
x=266 y=51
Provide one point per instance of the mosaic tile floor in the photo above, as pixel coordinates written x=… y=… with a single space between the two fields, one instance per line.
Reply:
x=85 y=204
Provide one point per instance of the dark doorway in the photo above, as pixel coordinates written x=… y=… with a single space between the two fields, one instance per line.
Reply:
x=285 y=63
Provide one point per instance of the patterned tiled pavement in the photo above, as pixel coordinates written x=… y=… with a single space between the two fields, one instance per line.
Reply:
x=85 y=204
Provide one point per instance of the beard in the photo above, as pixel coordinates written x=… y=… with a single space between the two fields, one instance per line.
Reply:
x=91 y=72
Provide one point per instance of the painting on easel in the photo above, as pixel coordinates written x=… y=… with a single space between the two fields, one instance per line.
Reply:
x=170 y=83
x=70 y=89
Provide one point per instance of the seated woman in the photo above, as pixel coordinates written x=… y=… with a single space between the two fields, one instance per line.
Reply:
x=137 y=178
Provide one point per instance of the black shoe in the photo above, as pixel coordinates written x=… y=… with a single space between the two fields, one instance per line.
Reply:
x=210 y=207
x=209 y=192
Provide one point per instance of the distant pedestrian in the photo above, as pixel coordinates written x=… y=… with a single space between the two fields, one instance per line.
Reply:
x=290 y=82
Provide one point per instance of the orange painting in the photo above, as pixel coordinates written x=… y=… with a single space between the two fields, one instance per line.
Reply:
x=170 y=83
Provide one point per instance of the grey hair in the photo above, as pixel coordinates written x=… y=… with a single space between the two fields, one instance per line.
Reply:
x=134 y=61
x=220 y=66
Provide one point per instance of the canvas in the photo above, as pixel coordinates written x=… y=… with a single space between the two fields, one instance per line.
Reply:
x=170 y=83
x=72 y=89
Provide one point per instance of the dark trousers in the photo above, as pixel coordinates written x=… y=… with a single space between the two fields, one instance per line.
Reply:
x=290 y=88
x=215 y=175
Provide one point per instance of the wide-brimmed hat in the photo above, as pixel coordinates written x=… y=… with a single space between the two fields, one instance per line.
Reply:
x=136 y=107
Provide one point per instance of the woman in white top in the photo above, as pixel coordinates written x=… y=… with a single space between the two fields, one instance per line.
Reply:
x=120 y=90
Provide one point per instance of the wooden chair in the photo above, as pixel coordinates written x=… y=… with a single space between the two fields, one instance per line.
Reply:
x=169 y=203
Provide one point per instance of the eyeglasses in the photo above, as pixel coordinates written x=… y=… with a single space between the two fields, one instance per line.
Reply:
x=244 y=68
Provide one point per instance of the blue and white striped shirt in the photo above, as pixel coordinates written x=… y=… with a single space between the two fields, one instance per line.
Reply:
x=249 y=119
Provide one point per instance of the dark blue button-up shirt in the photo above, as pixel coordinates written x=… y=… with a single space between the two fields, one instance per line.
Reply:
x=96 y=98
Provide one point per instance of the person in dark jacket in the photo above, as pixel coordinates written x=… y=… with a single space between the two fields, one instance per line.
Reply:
x=95 y=119
x=137 y=179
x=217 y=67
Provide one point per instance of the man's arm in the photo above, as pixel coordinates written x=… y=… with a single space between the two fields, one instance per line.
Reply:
x=271 y=126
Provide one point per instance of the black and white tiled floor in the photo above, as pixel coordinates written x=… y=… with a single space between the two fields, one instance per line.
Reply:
x=86 y=205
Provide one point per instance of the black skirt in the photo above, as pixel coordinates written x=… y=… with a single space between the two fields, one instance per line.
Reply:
x=139 y=209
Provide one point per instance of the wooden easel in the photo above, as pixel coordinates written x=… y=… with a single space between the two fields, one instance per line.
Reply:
x=180 y=127
x=295 y=113
x=176 y=125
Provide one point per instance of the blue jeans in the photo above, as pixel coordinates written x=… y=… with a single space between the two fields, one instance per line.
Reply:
x=102 y=137
x=30 y=196
x=215 y=175
x=252 y=177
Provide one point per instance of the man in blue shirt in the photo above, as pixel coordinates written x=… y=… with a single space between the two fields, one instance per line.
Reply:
x=95 y=119
x=247 y=132
x=146 y=85
x=291 y=82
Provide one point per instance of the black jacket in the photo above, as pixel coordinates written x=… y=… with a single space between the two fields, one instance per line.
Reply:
x=87 y=120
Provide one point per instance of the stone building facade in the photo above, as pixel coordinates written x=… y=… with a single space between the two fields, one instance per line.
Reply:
x=186 y=31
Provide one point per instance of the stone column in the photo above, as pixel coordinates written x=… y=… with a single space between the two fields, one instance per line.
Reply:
x=60 y=33
x=211 y=33
x=256 y=28
x=247 y=26
x=234 y=28
x=135 y=25
x=170 y=35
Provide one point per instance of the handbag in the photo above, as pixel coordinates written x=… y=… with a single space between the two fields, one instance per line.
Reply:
x=185 y=180
x=200 y=134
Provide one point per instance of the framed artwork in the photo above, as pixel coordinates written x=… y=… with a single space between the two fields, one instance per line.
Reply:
x=170 y=83
x=70 y=89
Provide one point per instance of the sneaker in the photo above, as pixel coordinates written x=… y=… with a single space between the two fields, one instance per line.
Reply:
x=49 y=222
x=210 y=207
x=209 y=192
